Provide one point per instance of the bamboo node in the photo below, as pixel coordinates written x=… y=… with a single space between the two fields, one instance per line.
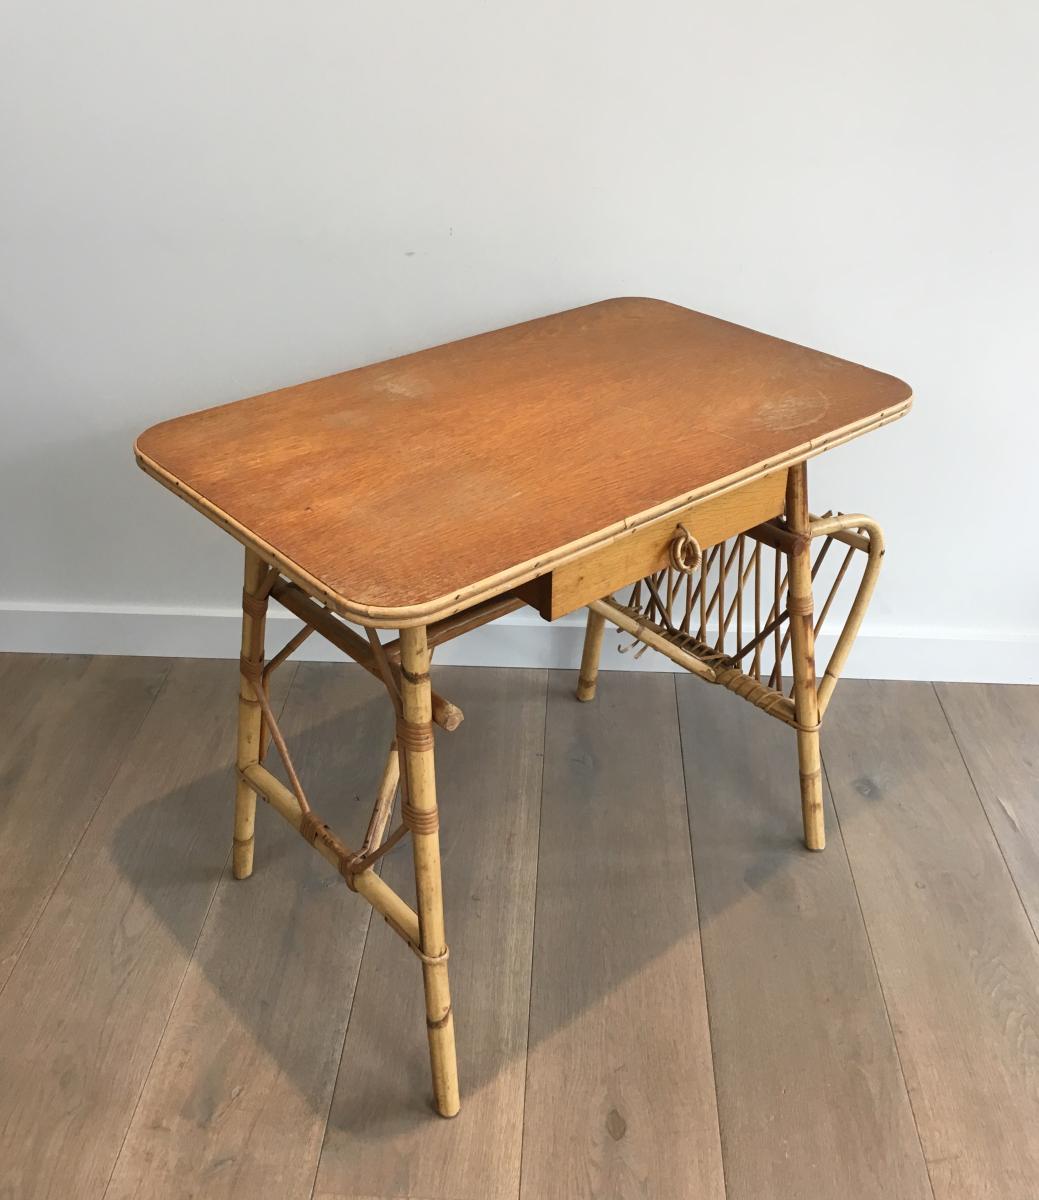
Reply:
x=415 y=676
x=415 y=735
x=430 y=960
x=419 y=820
x=442 y=1022
x=800 y=606
x=252 y=669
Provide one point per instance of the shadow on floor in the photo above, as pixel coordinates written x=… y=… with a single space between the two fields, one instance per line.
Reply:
x=262 y=931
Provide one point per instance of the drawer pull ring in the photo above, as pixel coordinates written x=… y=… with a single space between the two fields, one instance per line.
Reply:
x=684 y=553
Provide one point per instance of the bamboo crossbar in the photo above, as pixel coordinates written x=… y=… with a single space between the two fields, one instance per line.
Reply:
x=697 y=657
x=398 y=914
x=464 y=622
x=283 y=800
x=643 y=629
x=846 y=528
x=288 y=649
x=842 y=528
x=447 y=715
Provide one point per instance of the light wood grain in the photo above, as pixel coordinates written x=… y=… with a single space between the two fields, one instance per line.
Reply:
x=957 y=958
x=67 y=723
x=808 y=1098
x=603 y=571
x=383 y=1139
x=620 y=1086
x=525 y=446
x=237 y=1099
x=88 y=1000
x=997 y=729
x=803 y=1048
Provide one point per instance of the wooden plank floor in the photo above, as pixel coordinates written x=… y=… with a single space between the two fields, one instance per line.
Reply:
x=659 y=994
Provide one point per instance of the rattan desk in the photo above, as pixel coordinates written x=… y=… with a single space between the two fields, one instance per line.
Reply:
x=630 y=444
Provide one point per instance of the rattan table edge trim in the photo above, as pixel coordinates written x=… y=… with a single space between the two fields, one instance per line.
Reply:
x=406 y=616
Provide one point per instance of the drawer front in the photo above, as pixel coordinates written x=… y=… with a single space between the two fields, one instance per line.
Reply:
x=629 y=558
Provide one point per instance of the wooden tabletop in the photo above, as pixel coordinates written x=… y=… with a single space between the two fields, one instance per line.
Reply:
x=405 y=491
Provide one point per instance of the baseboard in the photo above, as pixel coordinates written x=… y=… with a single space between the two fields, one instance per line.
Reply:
x=518 y=640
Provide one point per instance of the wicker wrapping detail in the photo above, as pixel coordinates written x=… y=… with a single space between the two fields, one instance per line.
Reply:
x=251 y=669
x=412 y=735
x=800 y=606
x=317 y=833
x=733 y=612
x=419 y=820
x=310 y=826
x=254 y=606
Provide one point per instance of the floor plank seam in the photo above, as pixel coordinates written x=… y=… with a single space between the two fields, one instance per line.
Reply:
x=880 y=982
x=79 y=841
x=984 y=809
x=910 y=820
x=180 y=988
x=342 y=1052
x=533 y=934
x=342 y=1044
x=165 y=1027
x=703 y=962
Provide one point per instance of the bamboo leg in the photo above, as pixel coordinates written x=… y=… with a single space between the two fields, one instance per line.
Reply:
x=590 y=658
x=419 y=807
x=802 y=642
x=250 y=719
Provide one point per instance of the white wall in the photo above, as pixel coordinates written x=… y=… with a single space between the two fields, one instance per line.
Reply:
x=204 y=201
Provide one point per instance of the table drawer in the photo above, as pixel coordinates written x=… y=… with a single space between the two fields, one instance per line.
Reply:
x=633 y=555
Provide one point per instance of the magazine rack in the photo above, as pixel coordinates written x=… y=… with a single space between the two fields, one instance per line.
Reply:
x=735 y=614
